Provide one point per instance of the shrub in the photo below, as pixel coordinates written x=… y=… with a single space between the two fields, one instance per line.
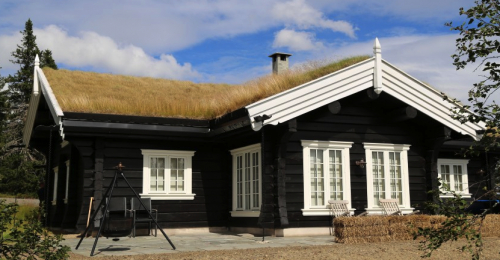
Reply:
x=27 y=238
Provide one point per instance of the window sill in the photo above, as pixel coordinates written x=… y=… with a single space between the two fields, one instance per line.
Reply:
x=449 y=195
x=239 y=214
x=321 y=212
x=168 y=196
x=380 y=211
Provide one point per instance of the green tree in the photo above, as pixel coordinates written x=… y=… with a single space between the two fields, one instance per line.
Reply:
x=46 y=60
x=479 y=45
x=4 y=111
x=21 y=83
x=17 y=174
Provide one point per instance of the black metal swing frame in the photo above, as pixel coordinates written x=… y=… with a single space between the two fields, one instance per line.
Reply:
x=105 y=202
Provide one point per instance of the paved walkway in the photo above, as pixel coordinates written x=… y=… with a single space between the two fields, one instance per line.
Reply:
x=185 y=243
x=33 y=202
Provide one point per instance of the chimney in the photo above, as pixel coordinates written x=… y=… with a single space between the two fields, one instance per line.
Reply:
x=280 y=62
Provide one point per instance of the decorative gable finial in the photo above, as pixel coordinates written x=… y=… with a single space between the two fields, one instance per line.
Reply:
x=35 y=76
x=377 y=70
x=37 y=61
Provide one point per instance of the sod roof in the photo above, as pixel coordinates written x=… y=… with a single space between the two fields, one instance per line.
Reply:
x=90 y=92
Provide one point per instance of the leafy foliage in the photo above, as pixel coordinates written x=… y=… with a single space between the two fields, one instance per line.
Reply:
x=27 y=238
x=458 y=224
x=479 y=42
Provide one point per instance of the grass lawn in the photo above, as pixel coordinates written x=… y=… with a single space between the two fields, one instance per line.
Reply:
x=22 y=212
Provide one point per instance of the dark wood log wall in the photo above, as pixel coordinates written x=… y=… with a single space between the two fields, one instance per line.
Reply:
x=358 y=124
x=211 y=179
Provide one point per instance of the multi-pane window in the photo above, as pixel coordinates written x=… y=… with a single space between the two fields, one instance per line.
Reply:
x=390 y=185
x=167 y=174
x=387 y=174
x=323 y=175
x=453 y=174
x=326 y=175
x=246 y=181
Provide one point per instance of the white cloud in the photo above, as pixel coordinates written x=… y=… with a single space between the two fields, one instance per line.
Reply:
x=102 y=53
x=296 y=41
x=7 y=45
x=167 y=26
x=298 y=13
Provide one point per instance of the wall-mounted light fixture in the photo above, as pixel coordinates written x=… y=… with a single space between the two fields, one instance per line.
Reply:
x=480 y=172
x=261 y=118
x=361 y=163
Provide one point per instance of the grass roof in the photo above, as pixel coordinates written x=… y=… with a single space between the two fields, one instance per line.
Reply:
x=89 y=92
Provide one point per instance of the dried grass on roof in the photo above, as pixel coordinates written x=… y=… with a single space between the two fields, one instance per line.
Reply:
x=90 y=92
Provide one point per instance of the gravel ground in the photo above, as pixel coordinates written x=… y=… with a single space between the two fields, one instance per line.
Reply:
x=391 y=250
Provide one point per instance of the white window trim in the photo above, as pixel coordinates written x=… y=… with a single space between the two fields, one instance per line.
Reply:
x=386 y=148
x=67 y=183
x=56 y=179
x=167 y=195
x=235 y=153
x=465 y=176
x=324 y=210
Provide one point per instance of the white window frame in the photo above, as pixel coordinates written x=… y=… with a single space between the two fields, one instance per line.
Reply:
x=254 y=211
x=307 y=145
x=405 y=180
x=167 y=194
x=56 y=180
x=465 y=180
x=66 y=193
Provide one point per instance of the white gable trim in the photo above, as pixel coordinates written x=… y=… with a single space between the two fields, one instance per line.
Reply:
x=40 y=81
x=425 y=99
x=312 y=95
x=369 y=73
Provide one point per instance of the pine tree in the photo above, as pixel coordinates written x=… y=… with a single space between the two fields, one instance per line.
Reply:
x=15 y=159
x=4 y=110
x=21 y=83
x=46 y=59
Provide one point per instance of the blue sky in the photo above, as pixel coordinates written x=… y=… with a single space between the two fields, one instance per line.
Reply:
x=229 y=41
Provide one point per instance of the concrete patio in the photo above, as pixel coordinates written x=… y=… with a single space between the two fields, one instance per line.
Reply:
x=185 y=243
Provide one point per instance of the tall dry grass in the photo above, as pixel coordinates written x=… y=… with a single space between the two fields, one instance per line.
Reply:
x=90 y=92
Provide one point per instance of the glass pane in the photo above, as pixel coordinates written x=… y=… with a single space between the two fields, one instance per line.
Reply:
x=180 y=163
x=152 y=162
x=161 y=163
x=180 y=180
x=161 y=179
x=152 y=179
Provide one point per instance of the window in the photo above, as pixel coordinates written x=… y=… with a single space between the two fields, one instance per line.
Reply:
x=387 y=175
x=453 y=174
x=167 y=175
x=247 y=181
x=56 y=180
x=326 y=175
x=67 y=183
